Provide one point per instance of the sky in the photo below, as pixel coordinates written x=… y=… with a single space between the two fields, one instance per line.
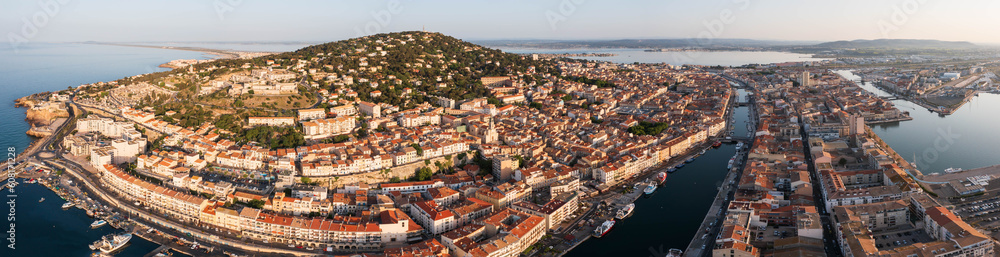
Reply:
x=321 y=21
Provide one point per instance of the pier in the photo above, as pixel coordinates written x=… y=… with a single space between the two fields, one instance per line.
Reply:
x=160 y=249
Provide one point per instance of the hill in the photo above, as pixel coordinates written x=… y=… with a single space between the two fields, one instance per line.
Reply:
x=896 y=43
x=426 y=62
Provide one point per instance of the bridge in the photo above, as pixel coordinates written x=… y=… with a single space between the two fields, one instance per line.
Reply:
x=734 y=139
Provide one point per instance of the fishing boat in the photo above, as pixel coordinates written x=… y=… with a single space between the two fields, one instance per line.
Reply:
x=716 y=144
x=650 y=189
x=98 y=223
x=625 y=211
x=660 y=177
x=603 y=229
x=116 y=242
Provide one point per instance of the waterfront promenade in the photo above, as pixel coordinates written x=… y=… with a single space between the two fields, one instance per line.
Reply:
x=167 y=226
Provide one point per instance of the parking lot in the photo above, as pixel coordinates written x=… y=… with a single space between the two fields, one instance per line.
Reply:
x=769 y=234
x=900 y=237
x=981 y=211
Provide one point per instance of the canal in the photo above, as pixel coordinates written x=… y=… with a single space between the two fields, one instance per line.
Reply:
x=965 y=139
x=670 y=217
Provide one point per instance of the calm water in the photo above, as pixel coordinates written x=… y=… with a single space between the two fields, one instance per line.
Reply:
x=254 y=47
x=966 y=139
x=45 y=229
x=727 y=58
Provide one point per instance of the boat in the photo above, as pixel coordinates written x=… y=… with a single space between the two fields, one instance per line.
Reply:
x=689 y=160
x=671 y=170
x=624 y=212
x=716 y=144
x=674 y=252
x=67 y=205
x=680 y=165
x=116 y=242
x=32 y=181
x=660 y=177
x=952 y=170
x=603 y=229
x=650 y=189
x=98 y=223
x=739 y=145
x=702 y=152
x=41 y=200
x=730 y=163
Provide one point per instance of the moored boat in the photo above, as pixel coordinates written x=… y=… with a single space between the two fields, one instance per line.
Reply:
x=674 y=252
x=67 y=205
x=625 y=211
x=660 y=177
x=650 y=188
x=116 y=242
x=671 y=170
x=98 y=223
x=603 y=229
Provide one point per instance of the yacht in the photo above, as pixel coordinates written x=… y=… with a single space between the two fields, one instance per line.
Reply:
x=67 y=205
x=98 y=223
x=952 y=170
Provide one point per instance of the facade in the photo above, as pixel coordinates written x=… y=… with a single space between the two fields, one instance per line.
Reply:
x=312 y=114
x=271 y=121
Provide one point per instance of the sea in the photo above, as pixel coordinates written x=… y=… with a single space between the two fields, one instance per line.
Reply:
x=711 y=58
x=667 y=219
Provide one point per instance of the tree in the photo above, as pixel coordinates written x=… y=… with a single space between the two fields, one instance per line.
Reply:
x=306 y=180
x=422 y=174
x=842 y=162
x=394 y=179
x=420 y=150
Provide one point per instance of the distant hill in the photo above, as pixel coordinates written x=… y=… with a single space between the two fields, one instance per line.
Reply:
x=896 y=43
x=639 y=43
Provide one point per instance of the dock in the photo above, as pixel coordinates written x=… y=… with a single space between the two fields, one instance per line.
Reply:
x=160 y=249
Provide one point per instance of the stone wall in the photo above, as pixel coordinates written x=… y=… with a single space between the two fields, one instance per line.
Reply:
x=374 y=177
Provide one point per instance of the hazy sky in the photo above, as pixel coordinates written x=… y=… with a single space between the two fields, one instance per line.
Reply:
x=256 y=20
